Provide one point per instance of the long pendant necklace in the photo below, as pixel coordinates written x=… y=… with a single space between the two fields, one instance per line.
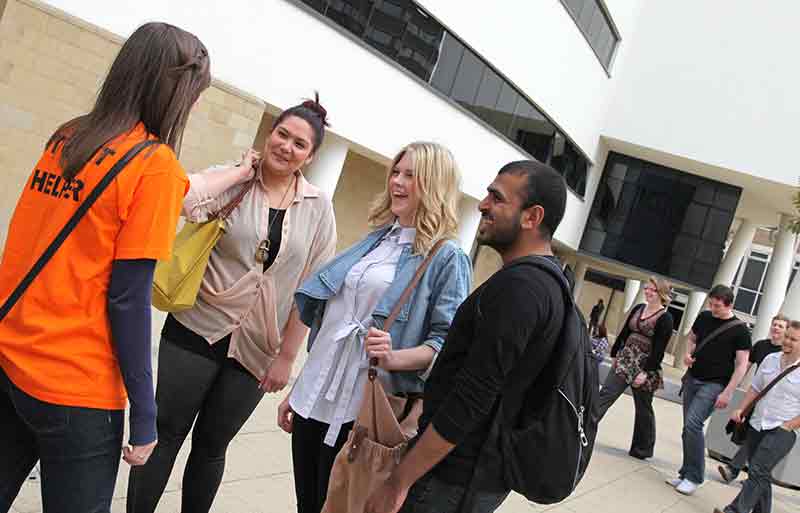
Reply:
x=262 y=253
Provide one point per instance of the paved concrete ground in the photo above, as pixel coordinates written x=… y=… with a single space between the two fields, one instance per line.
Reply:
x=258 y=478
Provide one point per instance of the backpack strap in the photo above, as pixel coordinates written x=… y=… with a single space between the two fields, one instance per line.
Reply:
x=73 y=221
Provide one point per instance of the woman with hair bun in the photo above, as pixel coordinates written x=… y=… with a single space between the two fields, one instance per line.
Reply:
x=241 y=337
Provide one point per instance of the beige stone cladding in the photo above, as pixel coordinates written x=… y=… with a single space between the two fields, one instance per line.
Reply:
x=51 y=67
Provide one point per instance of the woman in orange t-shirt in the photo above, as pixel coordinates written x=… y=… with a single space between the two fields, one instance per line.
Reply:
x=76 y=345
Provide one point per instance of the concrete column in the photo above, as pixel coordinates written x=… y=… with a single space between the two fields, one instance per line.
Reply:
x=468 y=220
x=741 y=242
x=693 y=308
x=777 y=279
x=580 y=276
x=791 y=304
x=326 y=168
x=632 y=288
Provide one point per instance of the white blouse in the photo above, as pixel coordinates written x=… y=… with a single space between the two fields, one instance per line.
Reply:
x=330 y=387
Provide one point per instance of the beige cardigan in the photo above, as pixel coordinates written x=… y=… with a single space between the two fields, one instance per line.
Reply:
x=236 y=296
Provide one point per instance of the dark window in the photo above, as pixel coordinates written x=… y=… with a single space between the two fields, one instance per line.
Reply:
x=468 y=80
x=404 y=33
x=745 y=300
x=656 y=223
x=595 y=23
x=751 y=279
x=450 y=58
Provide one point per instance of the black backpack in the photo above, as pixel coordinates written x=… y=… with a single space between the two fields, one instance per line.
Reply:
x=544 y=428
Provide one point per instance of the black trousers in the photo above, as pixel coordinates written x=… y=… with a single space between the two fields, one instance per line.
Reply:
x=313 y=461
x=644 y=427
x=221 y=395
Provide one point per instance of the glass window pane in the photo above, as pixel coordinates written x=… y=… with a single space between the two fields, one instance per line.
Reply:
x=751 y=278
x=317 y=5
x=489 y=90
x=598 y=20
x=744 y=301
x=506 y=106
x=533 y=131
x=468 y=79
x=444 y=74
x=576 y=6
x=587 y=13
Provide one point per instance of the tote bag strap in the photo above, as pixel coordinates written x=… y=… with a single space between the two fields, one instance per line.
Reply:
x=404 y=298
x=73 y=221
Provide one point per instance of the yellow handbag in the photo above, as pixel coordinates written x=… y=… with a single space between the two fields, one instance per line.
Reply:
x=177 y=281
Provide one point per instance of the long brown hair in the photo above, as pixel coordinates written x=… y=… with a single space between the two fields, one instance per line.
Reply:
x=156 y=79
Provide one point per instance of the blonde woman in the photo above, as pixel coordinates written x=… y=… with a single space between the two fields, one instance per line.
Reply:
x=637 y=355
x=346 y=302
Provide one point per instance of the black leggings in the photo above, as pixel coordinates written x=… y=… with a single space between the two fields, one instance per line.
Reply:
x=313 y=461
x=222 y=396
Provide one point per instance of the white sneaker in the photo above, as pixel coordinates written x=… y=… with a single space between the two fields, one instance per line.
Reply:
x=675 y=481
x=686 y=487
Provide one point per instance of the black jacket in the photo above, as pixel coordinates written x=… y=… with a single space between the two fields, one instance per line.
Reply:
x=663 y=332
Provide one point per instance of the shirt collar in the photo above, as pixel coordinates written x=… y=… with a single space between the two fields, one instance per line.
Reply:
x=402 y=234
x=303 y=188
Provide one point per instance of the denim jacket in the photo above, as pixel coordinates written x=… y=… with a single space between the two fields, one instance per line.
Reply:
x=426 y=316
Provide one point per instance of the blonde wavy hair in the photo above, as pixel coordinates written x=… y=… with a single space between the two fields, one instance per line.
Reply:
x=663 y=289
x=438 y=182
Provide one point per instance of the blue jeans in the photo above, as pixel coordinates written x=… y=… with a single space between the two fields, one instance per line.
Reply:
x=698 y=405
x=79 y=449
x=431 y=495
x=766 y=450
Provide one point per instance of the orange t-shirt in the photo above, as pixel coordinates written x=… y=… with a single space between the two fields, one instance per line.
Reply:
x=55 y=344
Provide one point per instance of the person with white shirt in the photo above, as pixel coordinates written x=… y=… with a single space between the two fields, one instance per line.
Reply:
x=772 y=431
x=347 y=301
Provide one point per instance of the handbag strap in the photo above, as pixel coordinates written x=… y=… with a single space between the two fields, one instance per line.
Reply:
x=226 y=210
x=373 y=362
x=714 y=334
x=788 y=370
x=73 y=221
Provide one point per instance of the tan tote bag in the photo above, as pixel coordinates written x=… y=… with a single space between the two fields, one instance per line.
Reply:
x=380 y=436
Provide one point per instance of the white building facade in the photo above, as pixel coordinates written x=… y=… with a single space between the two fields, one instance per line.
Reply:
x=683 y=108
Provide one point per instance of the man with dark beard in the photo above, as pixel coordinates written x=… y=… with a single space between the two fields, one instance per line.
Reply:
x=518 y=310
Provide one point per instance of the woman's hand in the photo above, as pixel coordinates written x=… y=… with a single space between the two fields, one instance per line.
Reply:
x=248 y=164
x=277 y=375
x=639 y=380
x=736 y=416
x=379 y=345
x=285 y=416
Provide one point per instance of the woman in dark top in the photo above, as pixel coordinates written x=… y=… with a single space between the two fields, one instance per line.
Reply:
x=637 y=355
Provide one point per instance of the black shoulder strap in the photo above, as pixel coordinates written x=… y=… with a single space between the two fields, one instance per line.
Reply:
x=788 y=370
x=83 y=208
x=717 y=332
x=550 y=267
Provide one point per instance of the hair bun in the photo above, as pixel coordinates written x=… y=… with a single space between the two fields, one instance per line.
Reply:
x=317 y=108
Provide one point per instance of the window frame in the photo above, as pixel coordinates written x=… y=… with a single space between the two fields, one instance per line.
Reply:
x=615 y=35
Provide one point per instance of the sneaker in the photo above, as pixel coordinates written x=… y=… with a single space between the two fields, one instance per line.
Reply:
x=675 y=481
x=728 y=474
x=686 y=487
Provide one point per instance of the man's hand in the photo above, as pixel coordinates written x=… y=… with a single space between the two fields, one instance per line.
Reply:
x=387 y=498
x=379 y=345
x=277 y=375
x=135 y=455
x=723 y=399
x=688 y=360
x=736 y=416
